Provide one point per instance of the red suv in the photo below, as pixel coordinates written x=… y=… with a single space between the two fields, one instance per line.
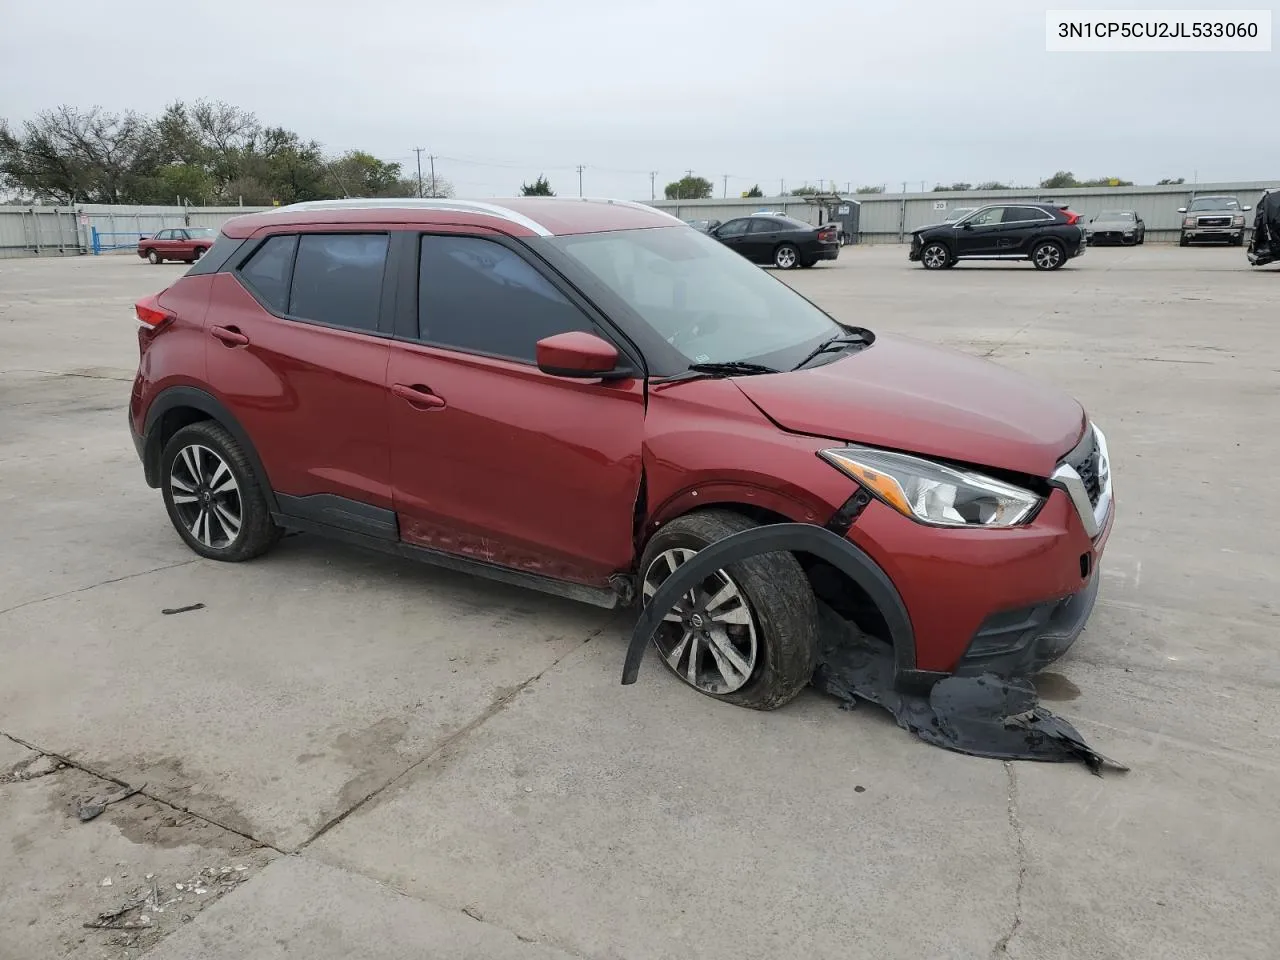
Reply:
x=579 y=395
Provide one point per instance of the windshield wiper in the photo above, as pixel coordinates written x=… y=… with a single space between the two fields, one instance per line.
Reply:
x=724 y=368
x=838 y=342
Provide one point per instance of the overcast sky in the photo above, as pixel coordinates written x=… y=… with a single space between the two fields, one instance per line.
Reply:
x=502 y=90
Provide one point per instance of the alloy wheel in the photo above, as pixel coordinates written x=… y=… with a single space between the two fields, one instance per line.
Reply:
x=785 y=257
x=1048 y=256
x=709 y=637
x=935 y=256
x=206 y=496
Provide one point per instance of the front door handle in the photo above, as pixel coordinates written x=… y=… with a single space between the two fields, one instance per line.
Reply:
x=418 y=395
x=230 y=336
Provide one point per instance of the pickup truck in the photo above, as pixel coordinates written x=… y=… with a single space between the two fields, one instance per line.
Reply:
x=1213 y=218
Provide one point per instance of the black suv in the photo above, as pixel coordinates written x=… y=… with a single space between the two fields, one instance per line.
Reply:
x=1043 y=233
x=779 y=240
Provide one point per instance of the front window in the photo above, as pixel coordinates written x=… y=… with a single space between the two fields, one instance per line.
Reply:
x=200 y=233
x=1215 y=203
x=705 y=300
x=987 y=215
x=1116 y=215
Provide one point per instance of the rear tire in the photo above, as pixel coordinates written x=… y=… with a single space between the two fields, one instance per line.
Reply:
x=936 y=256
x=1048 y=255
x=786 y=257
x=198 y=253
x=154 y=258
x=770 y=618
x=212 y=495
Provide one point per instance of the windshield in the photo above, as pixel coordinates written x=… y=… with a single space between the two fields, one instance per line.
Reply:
x=1215 y=203
x=1116 y=215
x=194 y=232
x=959 y=212
x=706 y=301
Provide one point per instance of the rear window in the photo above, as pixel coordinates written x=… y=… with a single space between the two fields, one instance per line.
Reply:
x=267 y=271
x=337 y=279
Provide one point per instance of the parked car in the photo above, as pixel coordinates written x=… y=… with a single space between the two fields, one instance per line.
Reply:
x=1213 y=218
x=776 y=239
x=1116 y=226
x=959 y=213
x=703 y=225
x=1264 y=245
x=577 y=396
x=187 y=244
x=1043 y=233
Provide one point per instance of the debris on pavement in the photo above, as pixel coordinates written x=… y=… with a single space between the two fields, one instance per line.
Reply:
x=170 y=611
x=144 y=906
x=983 y=716
x=93 y=807
x=41 y=765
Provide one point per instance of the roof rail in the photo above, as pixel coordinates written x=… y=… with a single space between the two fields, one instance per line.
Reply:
x=418 y=203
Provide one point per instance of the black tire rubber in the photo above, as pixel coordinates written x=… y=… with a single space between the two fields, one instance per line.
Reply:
x=1062 y=254
x=1238 y=241
x=777 y=255
x=154 y=258
x=1183 y=241
x=197 y=253
x=780 y=598
x=950 y=261
x=257 y=531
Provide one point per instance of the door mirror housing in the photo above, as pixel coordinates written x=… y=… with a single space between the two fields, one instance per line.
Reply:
x=1246 y=209
x=580 y=355
x=1182 y=209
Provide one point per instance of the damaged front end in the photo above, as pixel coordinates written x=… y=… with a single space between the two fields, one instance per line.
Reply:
x=981 y=715
x=1264 y=245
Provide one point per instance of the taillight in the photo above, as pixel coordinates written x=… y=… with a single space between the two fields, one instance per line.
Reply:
x=151 y=314
x=1072 y=218
x=827 y=234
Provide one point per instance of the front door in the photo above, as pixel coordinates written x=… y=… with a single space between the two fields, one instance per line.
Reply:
x=980 y=234
x=490 y=457
x=734 y=235
x=295 y=347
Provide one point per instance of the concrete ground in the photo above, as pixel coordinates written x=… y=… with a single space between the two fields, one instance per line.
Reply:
x=407 y=762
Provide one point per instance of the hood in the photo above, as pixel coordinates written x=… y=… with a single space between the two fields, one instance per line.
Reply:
x=906 y=395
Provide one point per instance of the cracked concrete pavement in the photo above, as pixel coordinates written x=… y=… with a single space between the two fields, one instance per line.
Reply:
x=410 y=760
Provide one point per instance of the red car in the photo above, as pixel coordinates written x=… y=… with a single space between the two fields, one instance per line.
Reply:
x=579 y=395
x=187 y=244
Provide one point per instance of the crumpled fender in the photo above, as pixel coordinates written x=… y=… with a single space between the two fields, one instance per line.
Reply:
x=778 y=538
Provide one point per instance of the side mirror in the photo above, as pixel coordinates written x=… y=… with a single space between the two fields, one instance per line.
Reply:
x=966 y=225
x=1246 y=209
x=1182 y=209
x=577 y=354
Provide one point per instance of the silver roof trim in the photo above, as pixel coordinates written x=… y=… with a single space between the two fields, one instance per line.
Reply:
x=633 y=204
x=416 y=203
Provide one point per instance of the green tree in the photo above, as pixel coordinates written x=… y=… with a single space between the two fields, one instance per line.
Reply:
x=755 y=191
x=688 y=188
x=805 y=190
x=993 y=185
x=955 y=186
x=1060 y=180
x=870 y=189
x=360 y=174
x=1106 y=182
x=1170 y=182
x=539 y=188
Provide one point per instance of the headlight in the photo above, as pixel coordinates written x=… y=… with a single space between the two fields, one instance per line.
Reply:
x=1238 y=221
x=932 y=493
x=1189 y=222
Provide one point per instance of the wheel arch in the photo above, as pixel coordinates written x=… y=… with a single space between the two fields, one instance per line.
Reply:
x=177 y=407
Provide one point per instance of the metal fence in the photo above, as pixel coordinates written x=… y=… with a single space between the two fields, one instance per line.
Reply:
x=41 y=231
x=890 y=217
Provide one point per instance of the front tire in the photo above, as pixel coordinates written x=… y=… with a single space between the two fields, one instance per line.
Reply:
x=154 y=258
x=1183 y=241
x=786 y=257
x=212 y=495
x=748 y=636
x=1048 y=255
x=936 y=256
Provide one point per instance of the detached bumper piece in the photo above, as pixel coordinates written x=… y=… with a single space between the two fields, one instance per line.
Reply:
x=982 y=716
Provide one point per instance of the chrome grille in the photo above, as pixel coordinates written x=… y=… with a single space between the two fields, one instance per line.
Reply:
x=1214 y=222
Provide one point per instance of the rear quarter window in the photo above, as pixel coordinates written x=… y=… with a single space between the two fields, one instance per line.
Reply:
x=267 y=271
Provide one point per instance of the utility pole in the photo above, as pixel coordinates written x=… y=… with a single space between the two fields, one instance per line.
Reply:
x=432 y=158
x=726 y=184
x=848 y=186
x=418 y=151
x=580 y=168
x=652 y=188
x=821 y=183
x=782 y=188
x=904 y=186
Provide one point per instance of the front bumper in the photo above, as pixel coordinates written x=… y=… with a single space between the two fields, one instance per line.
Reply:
x=1213 y=233
x=1111 y=236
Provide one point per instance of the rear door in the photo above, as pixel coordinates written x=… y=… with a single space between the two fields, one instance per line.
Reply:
x=491 y=458
x=764 y=234
x=297 y=349
x=1021 y=227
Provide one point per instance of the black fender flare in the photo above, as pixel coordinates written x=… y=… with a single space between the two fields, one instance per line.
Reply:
x=174 y=398
x=776 y=538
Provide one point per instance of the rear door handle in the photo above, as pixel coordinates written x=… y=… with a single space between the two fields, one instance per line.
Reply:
x=418 y=396
x=230 y=336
